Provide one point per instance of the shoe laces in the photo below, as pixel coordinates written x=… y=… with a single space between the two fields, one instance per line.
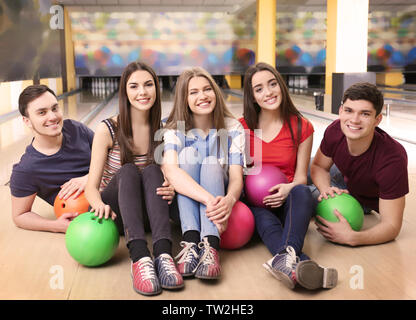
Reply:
x=187 y=252
x=291 y=258
x=146 y=269
x=167 y=263
x=208 y=257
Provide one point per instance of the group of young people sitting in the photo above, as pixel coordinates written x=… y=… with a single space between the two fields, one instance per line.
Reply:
x=143 y=173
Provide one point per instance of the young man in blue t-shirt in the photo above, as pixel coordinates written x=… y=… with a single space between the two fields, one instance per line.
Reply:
x=55 y=163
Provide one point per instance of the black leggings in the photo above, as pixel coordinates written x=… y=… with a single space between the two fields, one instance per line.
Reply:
x=131 y=194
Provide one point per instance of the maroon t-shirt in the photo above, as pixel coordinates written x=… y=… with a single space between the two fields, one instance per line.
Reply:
x=380 y=172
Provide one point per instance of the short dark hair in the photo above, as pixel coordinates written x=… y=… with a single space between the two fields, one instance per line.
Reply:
x=365 y=91
x=31 y=93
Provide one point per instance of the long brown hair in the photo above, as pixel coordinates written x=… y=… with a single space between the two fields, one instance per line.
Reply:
x=181 y=110
x=252 y=109
x=124 y=131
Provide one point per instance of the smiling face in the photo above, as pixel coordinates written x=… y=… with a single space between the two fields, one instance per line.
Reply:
x=358 y=119
x=266 y=90
x=201 y=96
x=141 y=90
x=44 y=116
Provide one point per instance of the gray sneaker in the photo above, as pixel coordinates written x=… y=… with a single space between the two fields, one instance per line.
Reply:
x=283 y=267
x=311 y=275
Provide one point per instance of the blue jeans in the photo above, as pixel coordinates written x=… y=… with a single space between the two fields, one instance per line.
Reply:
x=210 y=175
x=287 y=225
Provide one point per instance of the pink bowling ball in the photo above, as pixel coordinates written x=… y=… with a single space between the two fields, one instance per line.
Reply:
x=257 y=186
x=240 y=227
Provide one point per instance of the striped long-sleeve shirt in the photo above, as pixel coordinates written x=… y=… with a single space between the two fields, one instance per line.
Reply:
x=113 y=162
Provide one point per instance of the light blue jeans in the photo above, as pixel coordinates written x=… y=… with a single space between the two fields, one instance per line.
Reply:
x=210 y=175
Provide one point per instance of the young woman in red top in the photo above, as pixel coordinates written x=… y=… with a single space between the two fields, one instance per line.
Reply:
x=286 y=139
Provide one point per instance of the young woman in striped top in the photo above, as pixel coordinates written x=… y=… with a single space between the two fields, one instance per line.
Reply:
x=127 y=185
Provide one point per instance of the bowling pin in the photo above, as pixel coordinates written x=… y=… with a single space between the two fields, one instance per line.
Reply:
x=93 y=85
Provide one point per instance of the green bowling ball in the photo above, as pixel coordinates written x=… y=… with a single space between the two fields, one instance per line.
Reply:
x=347 y=205
x=91 y=241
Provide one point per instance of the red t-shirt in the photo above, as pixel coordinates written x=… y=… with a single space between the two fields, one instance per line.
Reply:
x=380 y=172
x=279 y=152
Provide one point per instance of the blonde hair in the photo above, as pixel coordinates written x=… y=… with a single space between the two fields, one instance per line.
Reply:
x=181 y=110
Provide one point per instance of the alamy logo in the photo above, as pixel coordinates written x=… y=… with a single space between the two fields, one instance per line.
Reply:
x=57 y=18
x=357 y=280
x=227 y=142
x=56 y=282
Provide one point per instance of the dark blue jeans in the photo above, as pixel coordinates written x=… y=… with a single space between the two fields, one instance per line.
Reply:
x=287 y=225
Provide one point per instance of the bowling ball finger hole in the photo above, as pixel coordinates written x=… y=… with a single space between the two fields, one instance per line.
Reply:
x=63 y=205
x=100 y=221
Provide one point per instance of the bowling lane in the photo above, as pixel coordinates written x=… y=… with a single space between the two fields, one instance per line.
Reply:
x=111 y=109
x=15 y=136
x=78 y=106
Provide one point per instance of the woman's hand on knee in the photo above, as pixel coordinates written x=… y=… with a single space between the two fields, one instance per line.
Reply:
x=73 y=188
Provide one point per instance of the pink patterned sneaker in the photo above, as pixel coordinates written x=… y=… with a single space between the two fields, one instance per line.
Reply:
x=209 y=262
x=144 y=276
x=188 y=259
x=169 y=276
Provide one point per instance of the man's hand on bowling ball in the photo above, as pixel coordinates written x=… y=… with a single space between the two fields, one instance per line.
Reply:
x=339 y=232
x=331 y=191
x=73 y=187
x=62 y=223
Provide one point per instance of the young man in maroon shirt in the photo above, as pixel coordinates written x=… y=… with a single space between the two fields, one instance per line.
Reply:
x=373 y=166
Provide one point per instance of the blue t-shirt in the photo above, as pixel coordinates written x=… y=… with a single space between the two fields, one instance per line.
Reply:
x=44 y=175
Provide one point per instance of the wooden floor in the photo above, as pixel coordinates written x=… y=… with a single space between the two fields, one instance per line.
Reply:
x=32 y=264
x=36 y=265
